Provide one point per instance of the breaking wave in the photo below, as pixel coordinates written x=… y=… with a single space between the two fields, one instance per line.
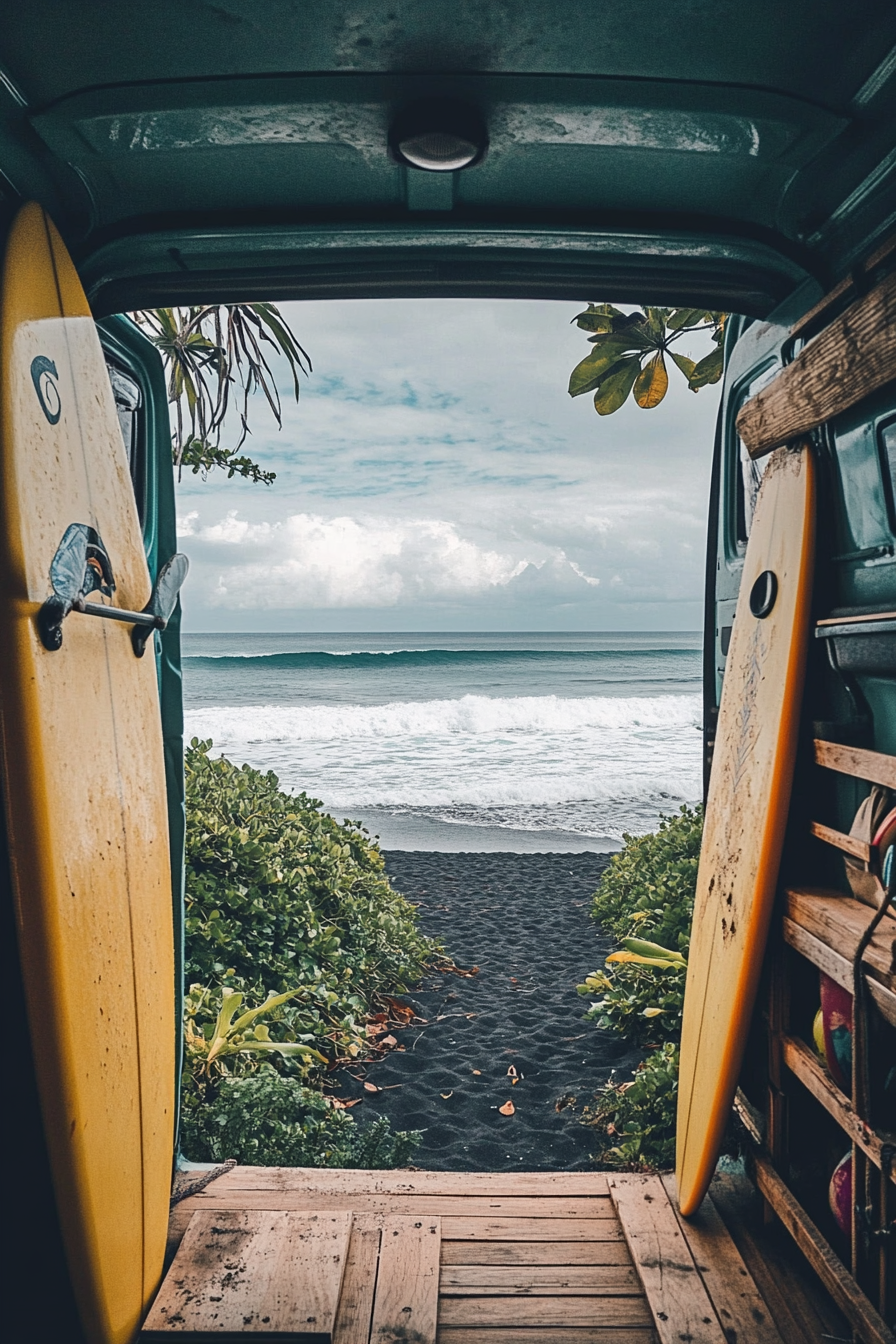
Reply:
x=472 y=715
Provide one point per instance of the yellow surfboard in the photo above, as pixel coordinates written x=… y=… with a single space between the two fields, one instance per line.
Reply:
x=746 y=811
x=84 y=788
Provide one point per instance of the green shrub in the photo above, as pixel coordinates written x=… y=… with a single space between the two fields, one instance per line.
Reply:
x=641 y=1003
x=279 y=894
x=648 y=888
x=646 y=893
x=282 y=893
x=636 y=1120
x=292 y=929
x=267 y=1120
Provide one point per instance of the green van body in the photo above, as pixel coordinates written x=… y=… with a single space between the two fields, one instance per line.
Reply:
x=733 y=156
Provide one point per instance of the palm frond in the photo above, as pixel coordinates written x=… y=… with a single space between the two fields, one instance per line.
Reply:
x=216 y=360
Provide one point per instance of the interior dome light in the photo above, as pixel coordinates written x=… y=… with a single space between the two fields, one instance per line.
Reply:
x=438 y=136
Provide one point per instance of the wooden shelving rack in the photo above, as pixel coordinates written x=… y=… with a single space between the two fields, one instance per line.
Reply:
x=830 y=930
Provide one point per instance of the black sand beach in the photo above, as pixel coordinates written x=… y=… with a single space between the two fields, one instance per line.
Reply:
x=523 y=919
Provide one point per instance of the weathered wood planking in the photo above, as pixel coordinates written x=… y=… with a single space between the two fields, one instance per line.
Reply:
x=859 y=849
x=873 y=766
x=851 y=358
x=540 y=1281
x=405 y=1306
x=841 y=921
x=857 y=1309
x=531 y=1229
x=802 y=1312
x=541 y=1334
x=550 y=1253
x=355 y=1309
x=551 y=1311
x=738 y=1303
x=315 y=1181
x=561 y=1240
x=254 y=1273
x=836 y=965
x=806 y=1066
x=471 y=1206
x=679 y=1302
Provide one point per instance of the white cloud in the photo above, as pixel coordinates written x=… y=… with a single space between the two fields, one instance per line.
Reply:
x=436 y=472
x=577 y=569
x=310 y=561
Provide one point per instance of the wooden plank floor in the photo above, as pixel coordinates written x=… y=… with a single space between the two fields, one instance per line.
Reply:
x=517 y=1258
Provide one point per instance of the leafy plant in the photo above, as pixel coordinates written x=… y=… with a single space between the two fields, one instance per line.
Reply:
x=264 y=1119
x=648 y=887
x=636 y=1120
x=247 y=1035
x=209 y=352
x=630 y=349
x=643 y=994
x=278 y=892
x=293 y=913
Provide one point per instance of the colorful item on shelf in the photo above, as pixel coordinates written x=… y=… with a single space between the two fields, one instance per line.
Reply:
x=818 y=1035
x=836 y=1015
x=875 y=824
x=840 y=1194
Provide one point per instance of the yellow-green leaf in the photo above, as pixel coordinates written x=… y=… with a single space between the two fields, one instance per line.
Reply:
x=616 y=385
x=686 y=365
x=587 y=375
x=635 y=958
x=648 y=949
x=597 y=317
x=685 y=317
x=709 y=370
x=652 y=383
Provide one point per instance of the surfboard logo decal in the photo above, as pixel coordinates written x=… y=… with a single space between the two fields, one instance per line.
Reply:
x=44 y=376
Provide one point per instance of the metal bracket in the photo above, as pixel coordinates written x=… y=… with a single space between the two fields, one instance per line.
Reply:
x=80 y=566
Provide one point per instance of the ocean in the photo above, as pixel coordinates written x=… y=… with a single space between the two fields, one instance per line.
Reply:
x=456 y=742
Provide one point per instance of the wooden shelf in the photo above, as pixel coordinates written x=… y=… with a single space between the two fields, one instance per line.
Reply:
x=873 y=766
x=859 y=849
x=825 y=927
x=804 y=1066
x=841 y=1285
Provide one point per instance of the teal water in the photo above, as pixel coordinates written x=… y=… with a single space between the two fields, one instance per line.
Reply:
x=516 y=741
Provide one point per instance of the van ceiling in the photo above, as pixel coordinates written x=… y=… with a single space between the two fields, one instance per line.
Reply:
x=710 y=151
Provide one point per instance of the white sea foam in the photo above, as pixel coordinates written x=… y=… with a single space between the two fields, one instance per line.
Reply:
x=472 y=715
x=594 y=765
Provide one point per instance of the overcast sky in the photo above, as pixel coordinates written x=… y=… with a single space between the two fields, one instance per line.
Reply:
x=435 y=475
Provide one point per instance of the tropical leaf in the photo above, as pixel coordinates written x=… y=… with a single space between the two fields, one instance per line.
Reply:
x=633 y=958
x=652 y=383
x=586 y=376
x=683 y=318
x=598 y=317
x=647 y=949
x=686 y=365
x=216 y=358
x=629 y=353
x=656 y=322
x=708 y=370
x=616 y=386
